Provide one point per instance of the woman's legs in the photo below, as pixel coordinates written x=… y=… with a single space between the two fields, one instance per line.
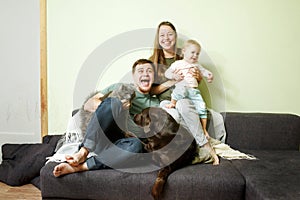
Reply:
x=191 y=119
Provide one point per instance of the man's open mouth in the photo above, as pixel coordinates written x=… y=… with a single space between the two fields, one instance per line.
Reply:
x=145 y=82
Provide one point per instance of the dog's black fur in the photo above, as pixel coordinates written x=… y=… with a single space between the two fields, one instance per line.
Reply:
x=172 y=140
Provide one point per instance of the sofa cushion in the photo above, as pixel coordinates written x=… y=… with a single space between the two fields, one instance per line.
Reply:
x=262 y=131
x=206 y=182
x=275 y=175
x=201 y=181
x=22 y=162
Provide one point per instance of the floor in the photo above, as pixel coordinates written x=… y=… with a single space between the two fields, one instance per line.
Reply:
x=28 y=191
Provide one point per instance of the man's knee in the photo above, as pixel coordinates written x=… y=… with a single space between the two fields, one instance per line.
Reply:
x=133 y=145
x=136 y=145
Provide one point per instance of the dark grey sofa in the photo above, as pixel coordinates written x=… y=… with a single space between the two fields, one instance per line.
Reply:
x=273 y=138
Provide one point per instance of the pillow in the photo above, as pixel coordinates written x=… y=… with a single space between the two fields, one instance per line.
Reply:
x=22 y=162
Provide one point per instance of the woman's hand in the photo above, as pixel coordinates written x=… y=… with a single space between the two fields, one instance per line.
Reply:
x=177 y=75
x=92 y=103
x=196 y=74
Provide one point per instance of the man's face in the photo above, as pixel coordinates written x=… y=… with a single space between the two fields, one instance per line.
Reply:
x=143 y=77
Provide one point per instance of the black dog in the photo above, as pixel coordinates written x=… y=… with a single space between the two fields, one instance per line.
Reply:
x=172 y=146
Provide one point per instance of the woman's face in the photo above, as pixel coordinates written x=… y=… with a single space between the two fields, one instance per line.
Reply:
x=143 y=77
x=167 y=38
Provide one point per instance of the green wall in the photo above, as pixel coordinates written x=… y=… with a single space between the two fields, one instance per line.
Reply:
x=252 y=46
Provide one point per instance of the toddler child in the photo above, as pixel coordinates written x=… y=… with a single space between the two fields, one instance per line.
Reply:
x=188 y=86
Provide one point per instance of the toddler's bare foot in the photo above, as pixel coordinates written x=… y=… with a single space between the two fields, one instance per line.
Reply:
x=77 y=158
x=213 y=154
x=66 y=168
x=206 y=134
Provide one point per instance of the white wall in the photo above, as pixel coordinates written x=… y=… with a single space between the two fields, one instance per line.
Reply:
x=19 y=63
x=252 y=45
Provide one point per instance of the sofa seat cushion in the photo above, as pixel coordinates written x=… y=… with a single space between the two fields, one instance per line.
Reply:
x=275 y=175
x=201 y=181
x=95 y=184
x=206 y=182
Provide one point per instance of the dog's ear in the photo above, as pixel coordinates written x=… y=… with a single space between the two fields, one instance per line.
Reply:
x=158 y=117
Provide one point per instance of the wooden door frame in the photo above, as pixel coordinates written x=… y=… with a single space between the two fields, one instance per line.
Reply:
x=43 y=68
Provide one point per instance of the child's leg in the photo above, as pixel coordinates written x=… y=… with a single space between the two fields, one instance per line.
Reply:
x=203 y=123
x=178 y=93
x=212 y=153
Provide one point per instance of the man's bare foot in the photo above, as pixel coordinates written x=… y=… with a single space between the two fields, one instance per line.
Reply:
x=66 y=168
x=77 y=158
x=213 y=154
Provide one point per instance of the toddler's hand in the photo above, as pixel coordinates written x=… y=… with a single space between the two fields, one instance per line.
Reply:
x=209 y=77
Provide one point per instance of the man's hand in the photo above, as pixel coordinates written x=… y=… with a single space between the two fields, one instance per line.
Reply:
x=126 y=104
x=92 y=103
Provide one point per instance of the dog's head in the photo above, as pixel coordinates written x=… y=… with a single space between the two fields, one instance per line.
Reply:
x=157 y=119
x=159 y=126
x=161 y=139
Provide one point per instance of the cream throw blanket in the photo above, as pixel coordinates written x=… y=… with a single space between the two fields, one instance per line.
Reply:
x=222 y=150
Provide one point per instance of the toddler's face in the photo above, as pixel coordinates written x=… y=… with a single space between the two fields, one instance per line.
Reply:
x=191 y=53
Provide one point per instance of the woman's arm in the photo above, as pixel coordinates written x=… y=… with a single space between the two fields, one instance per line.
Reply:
x=157 y=89
x=174 y=75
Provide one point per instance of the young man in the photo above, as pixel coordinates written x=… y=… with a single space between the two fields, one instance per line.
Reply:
x=108 y=114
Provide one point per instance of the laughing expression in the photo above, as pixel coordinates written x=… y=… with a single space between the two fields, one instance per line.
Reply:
x=143 y=77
